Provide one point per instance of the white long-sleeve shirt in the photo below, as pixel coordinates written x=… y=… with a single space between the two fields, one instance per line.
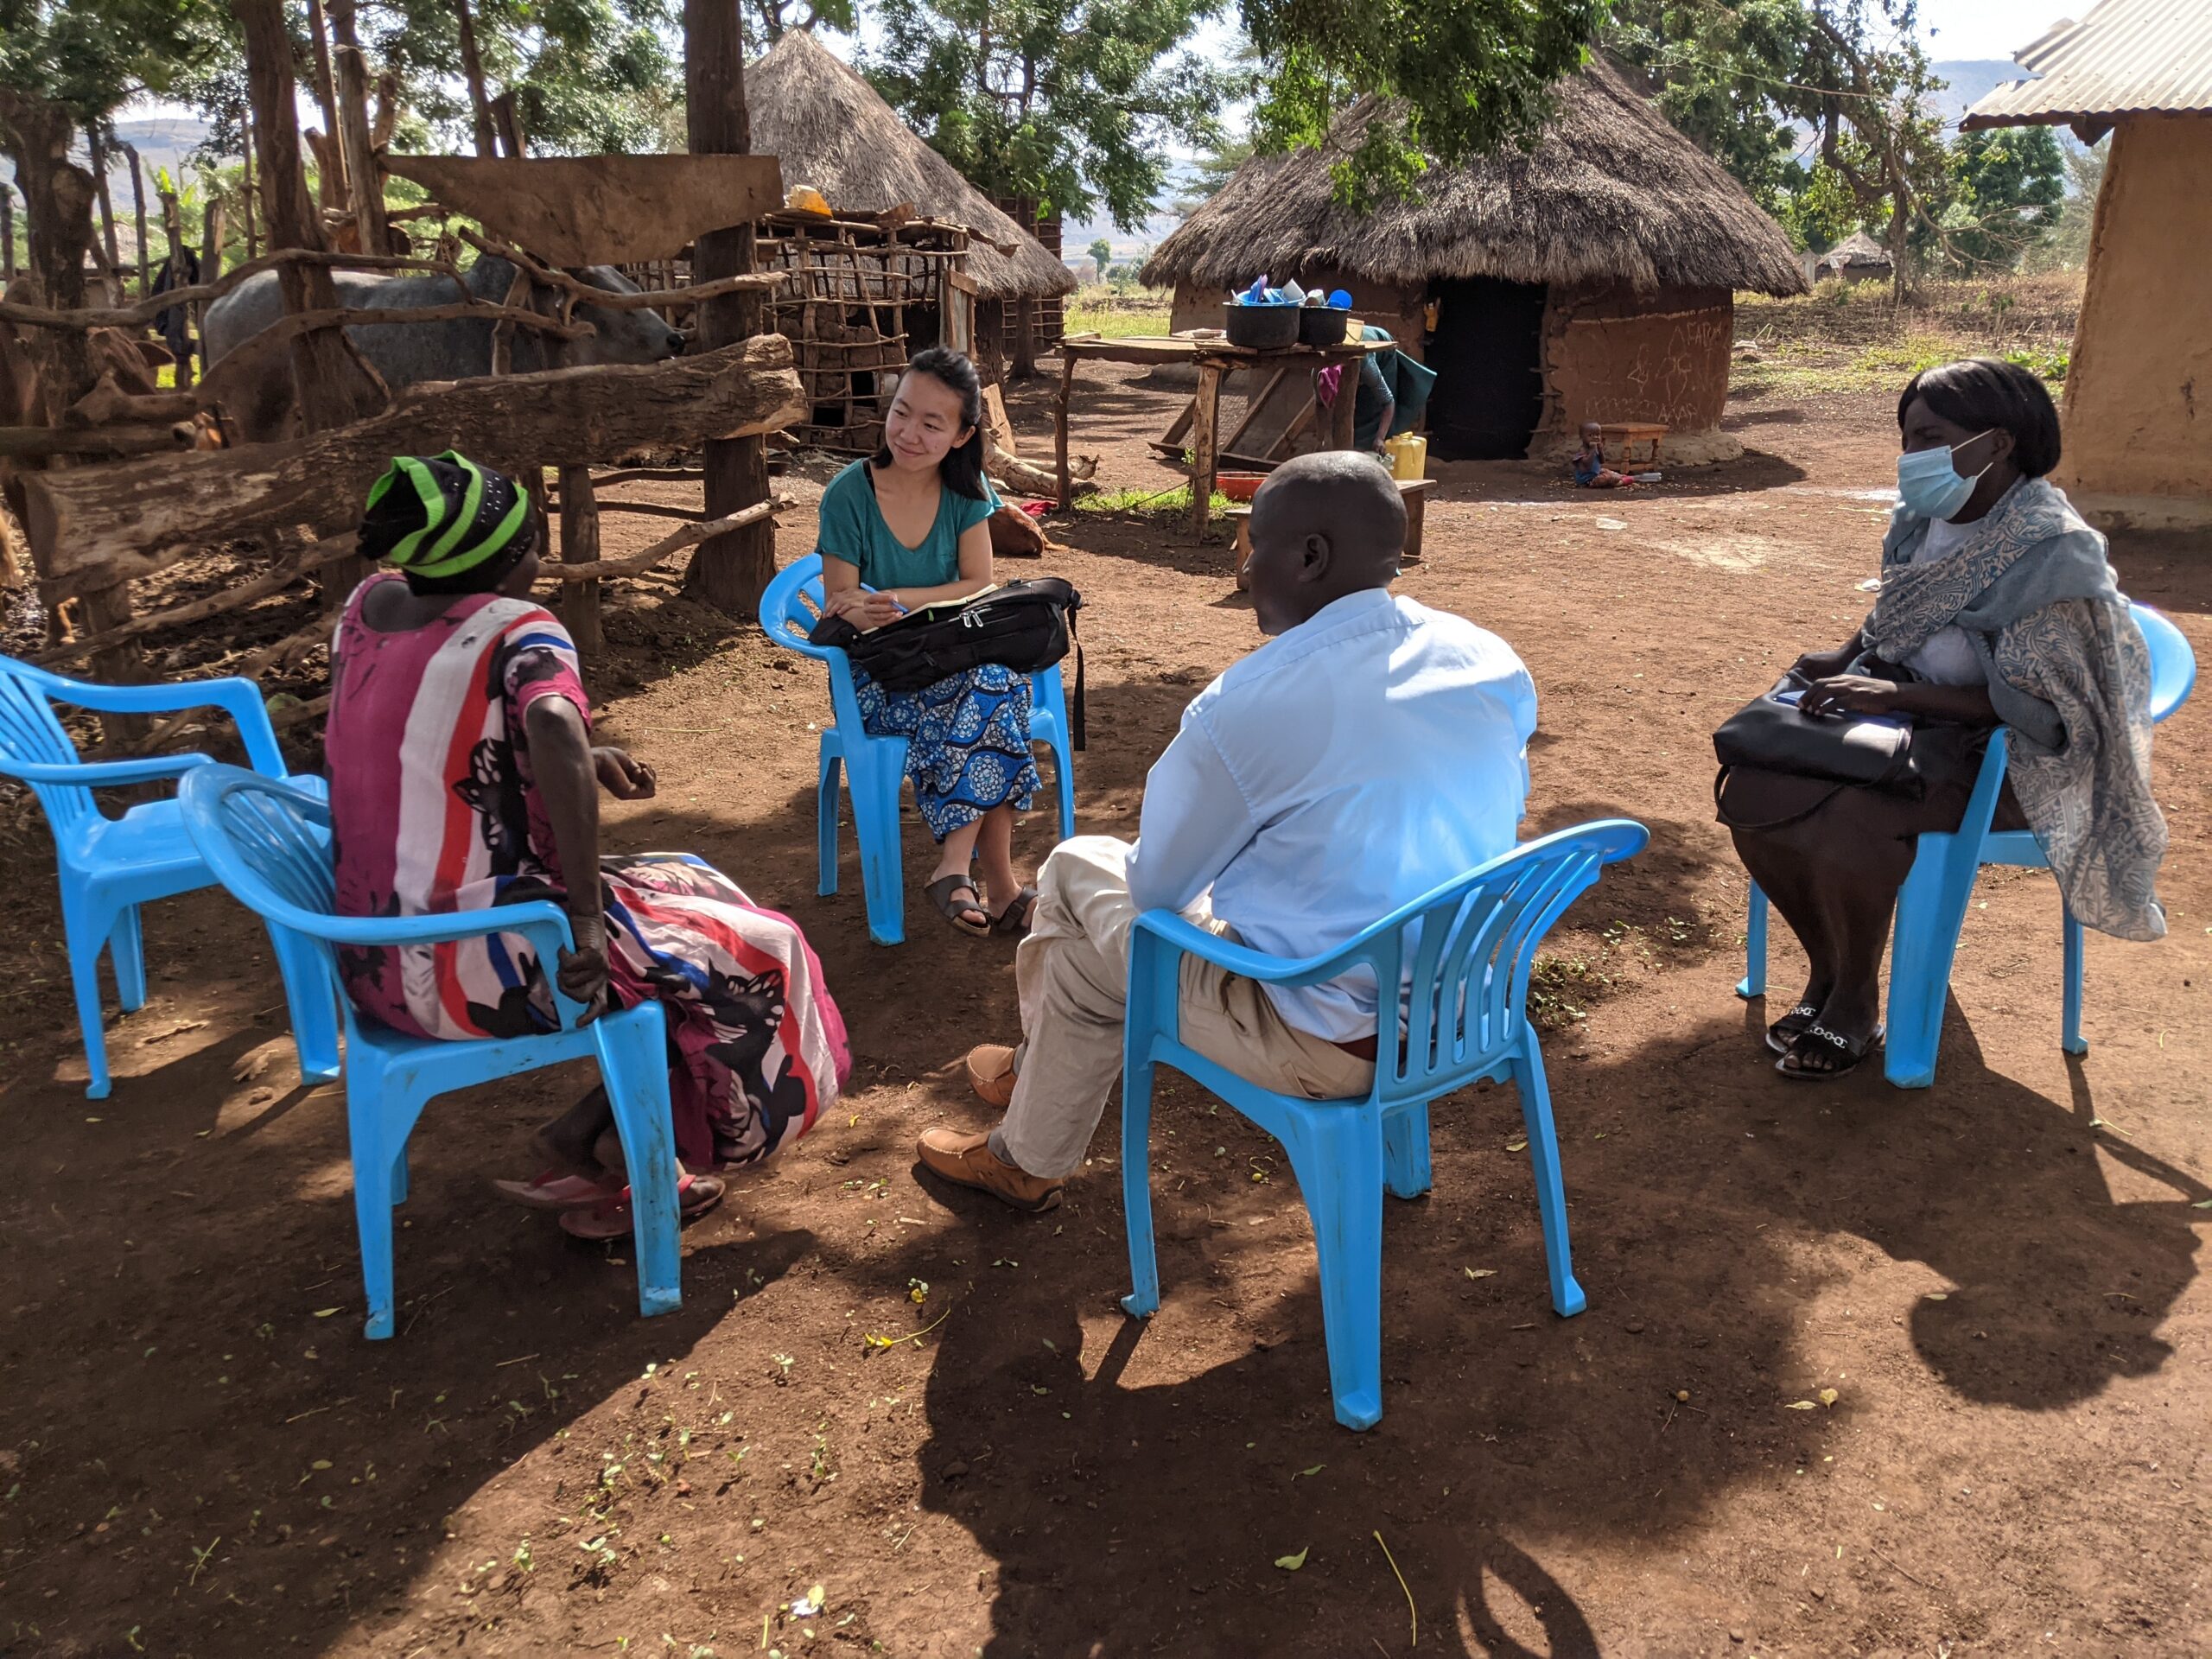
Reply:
x=1359 y=761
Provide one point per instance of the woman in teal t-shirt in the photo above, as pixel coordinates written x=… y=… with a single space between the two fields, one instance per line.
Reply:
x=910 y=524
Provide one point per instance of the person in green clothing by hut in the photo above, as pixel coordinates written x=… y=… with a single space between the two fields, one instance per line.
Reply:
x=910 y=527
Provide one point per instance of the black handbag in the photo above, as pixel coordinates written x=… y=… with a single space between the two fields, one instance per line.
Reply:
x=1026 y=625
x=1772 y=732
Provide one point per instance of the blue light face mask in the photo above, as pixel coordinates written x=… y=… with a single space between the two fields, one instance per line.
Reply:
x=1929 y=483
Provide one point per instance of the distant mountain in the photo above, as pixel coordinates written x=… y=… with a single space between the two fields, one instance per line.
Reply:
x=1971 y=80
x=163 y=140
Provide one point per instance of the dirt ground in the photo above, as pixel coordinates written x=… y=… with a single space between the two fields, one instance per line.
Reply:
x=1996 y=1278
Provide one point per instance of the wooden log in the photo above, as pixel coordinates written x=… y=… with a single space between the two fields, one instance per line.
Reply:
x=41 y=442
x=132 y=520
x=1205 y=445
x=576 y=210
x=574 y=290
x=655 y=509
x=638 y=563
x=108 y=404
x=579 y=546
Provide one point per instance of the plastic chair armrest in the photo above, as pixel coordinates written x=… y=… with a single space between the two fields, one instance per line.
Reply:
x=1189 y=939
x=240 y=699
x=544 y=925
x=107 y=774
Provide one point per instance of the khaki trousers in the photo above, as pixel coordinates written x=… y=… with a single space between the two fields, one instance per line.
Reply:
x=1072 y=973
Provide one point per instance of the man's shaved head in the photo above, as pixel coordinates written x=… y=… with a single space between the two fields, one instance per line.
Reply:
x=1323 y=526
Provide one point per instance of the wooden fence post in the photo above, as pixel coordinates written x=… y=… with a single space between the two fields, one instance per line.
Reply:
x=365 y=182
x=730 y=571
x=98 y=153
x=138 y=209
x=580 y=545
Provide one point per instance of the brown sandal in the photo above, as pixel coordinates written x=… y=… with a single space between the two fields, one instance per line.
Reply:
x=1014 y=920
x=940 y=894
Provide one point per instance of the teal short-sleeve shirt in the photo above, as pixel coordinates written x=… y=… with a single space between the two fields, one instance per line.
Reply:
x=852 y=529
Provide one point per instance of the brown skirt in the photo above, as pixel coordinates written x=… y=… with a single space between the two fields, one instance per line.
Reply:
x=1753 y=800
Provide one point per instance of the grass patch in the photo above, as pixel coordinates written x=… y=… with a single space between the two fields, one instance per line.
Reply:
x=1117 y=314
x=1802 y=368
x=1175 y=499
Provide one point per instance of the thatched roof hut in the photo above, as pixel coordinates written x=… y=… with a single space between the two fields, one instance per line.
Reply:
x=833 y=130
x=1590 y=276
x=1855 y=258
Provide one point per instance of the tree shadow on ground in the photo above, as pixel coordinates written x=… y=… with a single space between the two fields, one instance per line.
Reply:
x=1187 y=1453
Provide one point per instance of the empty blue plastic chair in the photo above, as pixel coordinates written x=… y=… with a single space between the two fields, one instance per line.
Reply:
x=1932 y=904
x=1465 y=953
x=108 y=867
x=874 y=768
x=270 y=845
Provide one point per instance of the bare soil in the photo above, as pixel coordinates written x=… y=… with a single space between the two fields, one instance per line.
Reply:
x=200 y=1454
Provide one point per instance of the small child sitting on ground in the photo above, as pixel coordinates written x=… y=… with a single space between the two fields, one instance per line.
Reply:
x=1591 y=471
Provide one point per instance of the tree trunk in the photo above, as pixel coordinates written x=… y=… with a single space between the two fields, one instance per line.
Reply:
x=364 y=183
x=328 y=385
x=107 y=216
x=245 y=167
x=138 y=209
x=472 y=69
x=211 y=238
x=509 y=124
x=326 y=85
x=58 y=198
x=7 y=236
x=729 y=572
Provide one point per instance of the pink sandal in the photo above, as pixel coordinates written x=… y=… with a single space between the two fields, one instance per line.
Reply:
x=611 y=1218
x=556 y=1193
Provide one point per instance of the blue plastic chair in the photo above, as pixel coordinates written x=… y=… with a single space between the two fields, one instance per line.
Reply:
x=1932 y=904
x=1464 y=951
x=874 y=767
x=268 y=843
x=108 y=867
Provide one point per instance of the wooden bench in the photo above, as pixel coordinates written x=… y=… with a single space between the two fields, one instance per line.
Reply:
x=1628 y=434
x=1413 y=492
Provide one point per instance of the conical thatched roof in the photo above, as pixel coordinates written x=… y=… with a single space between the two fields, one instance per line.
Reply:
x=1610 y=193
x=833 y=130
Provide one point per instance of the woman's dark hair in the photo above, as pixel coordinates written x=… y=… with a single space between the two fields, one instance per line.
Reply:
x=1982 y=393
x=962 y=469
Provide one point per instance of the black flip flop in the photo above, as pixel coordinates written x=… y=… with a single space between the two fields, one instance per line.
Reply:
x=1817 y=1038
x=1792 y=1026
x=940 y=894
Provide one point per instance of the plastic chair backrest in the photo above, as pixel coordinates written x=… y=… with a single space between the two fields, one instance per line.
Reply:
x=789 y=610
x=2173 y=665
x=1464 y=952
x=260 y=839
x=30 y=733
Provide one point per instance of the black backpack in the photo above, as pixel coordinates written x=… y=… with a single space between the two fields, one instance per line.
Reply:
x=1026 y=625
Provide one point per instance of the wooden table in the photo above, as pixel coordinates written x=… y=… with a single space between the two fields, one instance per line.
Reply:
x=1212 y=358
x=1629 y=434
x=1413 y=492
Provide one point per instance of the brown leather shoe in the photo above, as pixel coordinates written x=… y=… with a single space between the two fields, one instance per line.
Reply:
x=990 y=1074
x=968 y=1161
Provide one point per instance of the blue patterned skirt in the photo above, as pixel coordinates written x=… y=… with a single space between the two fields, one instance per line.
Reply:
x=967 y=742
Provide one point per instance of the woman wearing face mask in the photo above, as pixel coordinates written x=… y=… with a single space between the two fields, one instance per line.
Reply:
x=1997 y=606
x=906 y=528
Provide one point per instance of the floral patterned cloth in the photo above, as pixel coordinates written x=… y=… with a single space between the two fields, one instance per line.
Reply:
x=2069 y=675
x=435 y=809
x=967 y=742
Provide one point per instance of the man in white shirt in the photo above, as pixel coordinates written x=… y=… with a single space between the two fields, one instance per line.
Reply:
x=1371 y=751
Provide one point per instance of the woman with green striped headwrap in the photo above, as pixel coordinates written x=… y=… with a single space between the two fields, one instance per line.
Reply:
x=463 y=776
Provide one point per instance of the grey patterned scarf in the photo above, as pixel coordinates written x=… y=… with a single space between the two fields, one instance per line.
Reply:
x=2068 y=673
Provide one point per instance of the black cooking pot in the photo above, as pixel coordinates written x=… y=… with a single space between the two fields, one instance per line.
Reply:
x=1321 y=325
x=1261 y=327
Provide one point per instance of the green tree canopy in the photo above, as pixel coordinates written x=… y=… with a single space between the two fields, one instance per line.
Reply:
x=1074 y=104
x=2008 y=187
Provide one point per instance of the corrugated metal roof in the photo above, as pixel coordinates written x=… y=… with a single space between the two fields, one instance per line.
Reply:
x=2127 y=57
